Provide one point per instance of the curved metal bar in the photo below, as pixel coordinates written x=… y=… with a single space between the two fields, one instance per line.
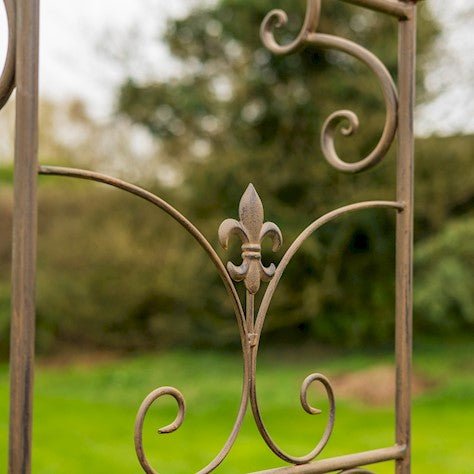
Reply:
x=172 y=212
x=346 y=462
x=238 y=422
x=7 y=79
x=160 y=392
x=332 y=123
x=308 y=36
x=145 y=406
x=278 y=18
x=307 y=408
x=258 y=327
x=330 y=216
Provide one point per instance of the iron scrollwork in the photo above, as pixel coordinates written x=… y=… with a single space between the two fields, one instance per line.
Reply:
x=309 y=37
x=252 y=229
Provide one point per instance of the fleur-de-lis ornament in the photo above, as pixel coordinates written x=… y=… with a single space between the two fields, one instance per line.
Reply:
x=252 y=230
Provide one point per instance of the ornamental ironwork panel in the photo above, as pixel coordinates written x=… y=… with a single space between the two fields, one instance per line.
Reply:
x=20 y=73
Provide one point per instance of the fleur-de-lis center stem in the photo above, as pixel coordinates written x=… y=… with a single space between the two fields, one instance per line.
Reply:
x=252 y=230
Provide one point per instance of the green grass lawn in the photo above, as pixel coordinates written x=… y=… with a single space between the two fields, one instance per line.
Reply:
x=84 y=415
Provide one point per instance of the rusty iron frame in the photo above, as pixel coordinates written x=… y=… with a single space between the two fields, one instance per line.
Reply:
x=20 y=73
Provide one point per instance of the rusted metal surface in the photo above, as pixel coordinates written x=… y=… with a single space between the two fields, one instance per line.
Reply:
x=404 y=240
x=344 y=463
x=252 y=230
x=22 y=340
x=22 y=65
x=155 y=395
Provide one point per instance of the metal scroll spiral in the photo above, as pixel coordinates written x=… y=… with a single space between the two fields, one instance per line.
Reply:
x=7 y=78
x=252 y=229
x=231 y=291
x=307 y=383
x=155 y=395
x=346 y=118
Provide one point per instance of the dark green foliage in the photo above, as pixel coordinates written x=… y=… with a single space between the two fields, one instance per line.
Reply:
x=444 y=297
x=114 y=272
x=260 y=116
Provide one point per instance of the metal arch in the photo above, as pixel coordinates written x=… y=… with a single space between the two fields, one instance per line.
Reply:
x=171 y=211
x=241 y=319
x=260 y=320
x=21 y=70
x=317 y=224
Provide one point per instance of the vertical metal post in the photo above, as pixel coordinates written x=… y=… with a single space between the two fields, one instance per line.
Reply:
x=404 y=270
x=24 y=237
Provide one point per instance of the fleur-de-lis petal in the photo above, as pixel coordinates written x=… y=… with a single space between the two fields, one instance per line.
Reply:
x=252 y=230
x=251 y=213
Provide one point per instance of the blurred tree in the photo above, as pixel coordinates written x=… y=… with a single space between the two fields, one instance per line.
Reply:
x=444 y=296
x=240 y=114
x=113 y=272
